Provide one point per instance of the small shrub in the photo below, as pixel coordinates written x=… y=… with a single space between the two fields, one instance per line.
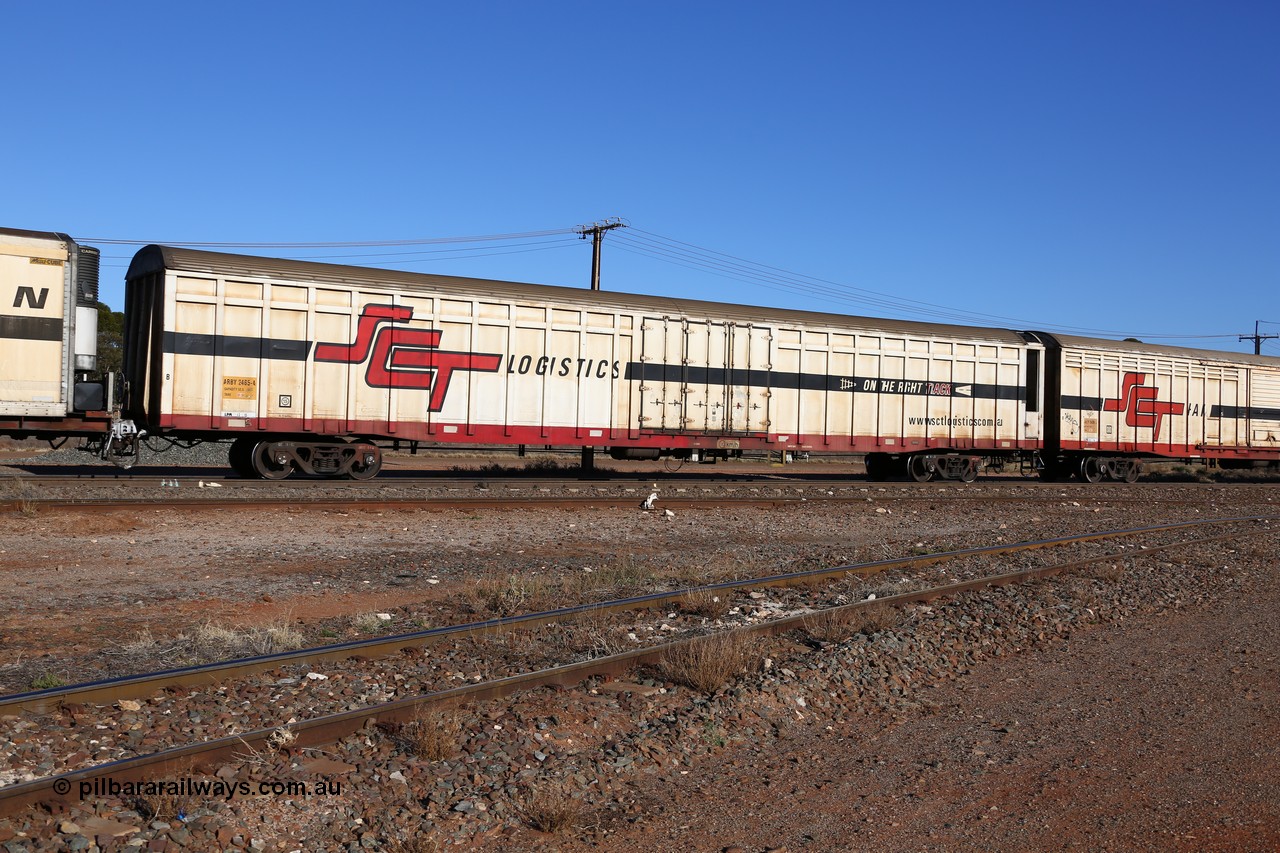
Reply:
x=161 y=804
x=625 y=575
x=507 y=596
x=367 y=623
x=1107 y=571
x=707 y=663
x=551 y=808
x=412 y=843
x=835 y=625
x=270 y=639
x=707 y=603
x=142 y=644
x=47 y=681
x=720 y=567
x=433 y=734
x=211 y=641
x=589 y=635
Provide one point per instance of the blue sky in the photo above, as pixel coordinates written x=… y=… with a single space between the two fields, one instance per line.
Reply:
x=1111 y=167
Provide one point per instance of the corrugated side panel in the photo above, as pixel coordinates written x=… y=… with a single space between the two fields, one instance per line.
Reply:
x=1151 y=402
x=1264 y=407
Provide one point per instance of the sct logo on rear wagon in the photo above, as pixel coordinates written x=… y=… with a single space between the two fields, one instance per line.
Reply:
x=1138 y=402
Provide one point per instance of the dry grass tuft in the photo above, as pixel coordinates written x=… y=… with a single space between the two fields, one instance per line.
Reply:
x=586 y=636
x=21 y=495
x=217 y=641
x=708 y=663
x=47 y=681
x=721 y=567
x=510 y=595
x=884 y=588
x=703 y=602
x=624 y=576
x=162 y=804
x=1106 y=571
x=551 y=808
x=265 y=760
x=368 y=623
x=406 y=843
x=143 y=643
x=835 y=625
x=433 y=735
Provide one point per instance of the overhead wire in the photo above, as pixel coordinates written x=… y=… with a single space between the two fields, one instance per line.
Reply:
x=680 y=253
x=331 y=244
x=461 y=253
x=804 y=282
x=718 y=263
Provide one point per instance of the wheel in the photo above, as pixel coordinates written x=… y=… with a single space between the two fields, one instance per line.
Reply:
x=361 y=471
x=367 y=472
x=969 y=472
x=1090 y=470
x=876 y=466
x=919 y=470
x=241 y=457
x=265 y=466
x=1132 y=473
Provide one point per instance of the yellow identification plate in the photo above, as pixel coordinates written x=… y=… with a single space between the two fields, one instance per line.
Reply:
x=239 y=388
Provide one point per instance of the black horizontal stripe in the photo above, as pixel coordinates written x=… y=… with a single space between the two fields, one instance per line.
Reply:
x=31 y=328
x=236 y=346
x=1253 y=413
x=1257 y=413
x=1087 y=404
x=682 y=374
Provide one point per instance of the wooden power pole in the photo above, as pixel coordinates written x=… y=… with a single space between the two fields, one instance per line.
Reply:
x=1257 y=338
x=597 y=237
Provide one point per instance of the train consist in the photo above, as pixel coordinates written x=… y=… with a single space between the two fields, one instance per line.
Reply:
x=316 y=368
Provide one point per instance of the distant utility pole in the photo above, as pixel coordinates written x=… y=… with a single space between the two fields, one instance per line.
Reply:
x=1257 y=338
x=597 y=237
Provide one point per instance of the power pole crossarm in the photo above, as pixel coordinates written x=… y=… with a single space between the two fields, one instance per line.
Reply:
x=1257 y=338
x=597 y=232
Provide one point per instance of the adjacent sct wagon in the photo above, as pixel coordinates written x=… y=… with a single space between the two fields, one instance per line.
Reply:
x=308 y=366
x=1119 y=401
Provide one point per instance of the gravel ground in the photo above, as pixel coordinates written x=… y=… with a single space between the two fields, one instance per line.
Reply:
x=1126 y=707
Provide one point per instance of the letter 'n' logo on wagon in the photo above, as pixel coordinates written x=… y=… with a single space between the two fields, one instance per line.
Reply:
x=29 y=294
x=404 y=358
x=1138 y=402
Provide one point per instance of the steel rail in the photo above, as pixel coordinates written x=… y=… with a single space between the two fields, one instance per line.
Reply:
x=408 y=479
x=434 y=502
x=107 y=691
x=328 y=729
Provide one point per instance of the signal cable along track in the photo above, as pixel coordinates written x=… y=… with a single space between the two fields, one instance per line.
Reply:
x=329 y=728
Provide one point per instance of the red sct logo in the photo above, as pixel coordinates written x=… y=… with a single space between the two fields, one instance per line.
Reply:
x=1139 y=404
x=404 y=358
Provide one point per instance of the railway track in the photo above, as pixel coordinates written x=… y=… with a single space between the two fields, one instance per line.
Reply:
x=324 y=728
x=37 y=494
